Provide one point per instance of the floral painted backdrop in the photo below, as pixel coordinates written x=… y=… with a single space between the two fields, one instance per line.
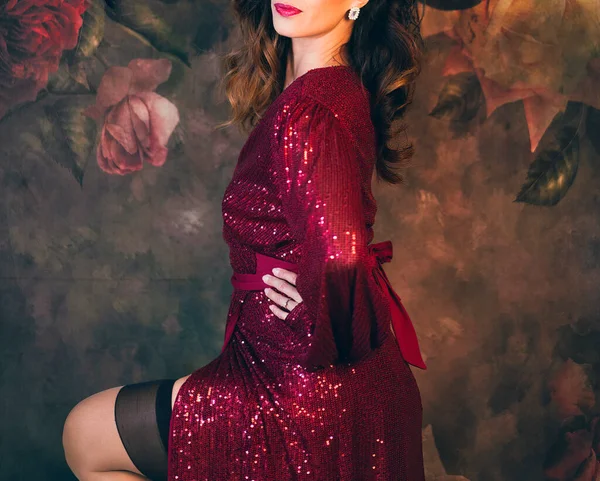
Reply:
x=113 y=269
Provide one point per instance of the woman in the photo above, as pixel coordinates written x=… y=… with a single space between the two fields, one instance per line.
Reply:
x=312 y=382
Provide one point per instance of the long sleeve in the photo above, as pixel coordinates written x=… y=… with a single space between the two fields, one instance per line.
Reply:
x=322 y=199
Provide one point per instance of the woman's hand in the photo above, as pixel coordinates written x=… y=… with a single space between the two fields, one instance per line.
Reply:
x=286 y=294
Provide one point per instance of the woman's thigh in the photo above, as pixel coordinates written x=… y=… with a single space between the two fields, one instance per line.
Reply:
x=91 y=438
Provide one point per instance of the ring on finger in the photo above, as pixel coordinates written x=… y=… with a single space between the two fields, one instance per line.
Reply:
x=277 y=297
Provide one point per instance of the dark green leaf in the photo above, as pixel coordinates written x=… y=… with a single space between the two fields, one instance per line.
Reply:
x=460 y=99
x=150 y=27
x=74 y=134
x=68 y=79
x=71 y=77
x=555 y=166
x=91 y=32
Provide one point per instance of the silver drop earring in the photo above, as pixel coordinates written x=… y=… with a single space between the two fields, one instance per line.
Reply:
x=354 y=11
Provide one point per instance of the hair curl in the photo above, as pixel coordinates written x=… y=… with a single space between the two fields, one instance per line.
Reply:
x=385 y=49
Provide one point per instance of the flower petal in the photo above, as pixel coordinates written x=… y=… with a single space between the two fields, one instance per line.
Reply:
x=113 y=87
x=123 y=136
x=496 y=95
x=157 y=155
x=457 y=62
x=148 y=73
x=164 y=116
x=140 y=119
x=125 y=162
x=103 y=161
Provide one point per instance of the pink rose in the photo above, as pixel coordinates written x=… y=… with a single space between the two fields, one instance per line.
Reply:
x=33 y=35
x=136 y=122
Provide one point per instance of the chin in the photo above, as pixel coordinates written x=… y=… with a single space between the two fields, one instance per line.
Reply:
x=285 y=30
x=288 y=28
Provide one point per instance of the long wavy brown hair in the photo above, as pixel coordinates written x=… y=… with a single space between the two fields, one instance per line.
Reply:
x=385 y=49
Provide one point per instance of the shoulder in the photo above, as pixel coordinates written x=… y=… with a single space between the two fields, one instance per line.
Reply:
x=335 y=96
x=339 y=89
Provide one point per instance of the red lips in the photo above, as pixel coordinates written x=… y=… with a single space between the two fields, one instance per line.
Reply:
x=286 y=10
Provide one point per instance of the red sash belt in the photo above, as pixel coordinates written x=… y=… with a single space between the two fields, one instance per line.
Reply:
x=402 y=325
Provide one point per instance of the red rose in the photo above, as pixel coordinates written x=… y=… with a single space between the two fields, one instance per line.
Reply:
x=33 y=36
x=136 y=122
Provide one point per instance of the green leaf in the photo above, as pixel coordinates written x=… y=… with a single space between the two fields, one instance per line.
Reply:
x=149 y=27
x=68 y=79
x=460 y=98
x=72 y=134
x=554 y=169
x=92 y=31
x=71 y=76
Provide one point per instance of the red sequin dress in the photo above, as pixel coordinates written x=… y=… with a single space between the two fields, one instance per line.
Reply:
x=326 y=394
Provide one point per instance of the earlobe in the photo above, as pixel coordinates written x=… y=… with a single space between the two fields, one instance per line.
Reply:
x=353 y=13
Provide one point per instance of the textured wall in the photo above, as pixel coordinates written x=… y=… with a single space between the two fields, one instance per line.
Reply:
x=108 y=279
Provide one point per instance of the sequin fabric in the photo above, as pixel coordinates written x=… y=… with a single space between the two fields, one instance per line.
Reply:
x=324 y=395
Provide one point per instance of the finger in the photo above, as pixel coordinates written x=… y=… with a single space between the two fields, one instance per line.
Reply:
x=281 y=314
x=284 y=287
x=285 y=274
x=277 y=297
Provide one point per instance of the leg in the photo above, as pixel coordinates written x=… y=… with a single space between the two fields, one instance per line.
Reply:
x=93 y=446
